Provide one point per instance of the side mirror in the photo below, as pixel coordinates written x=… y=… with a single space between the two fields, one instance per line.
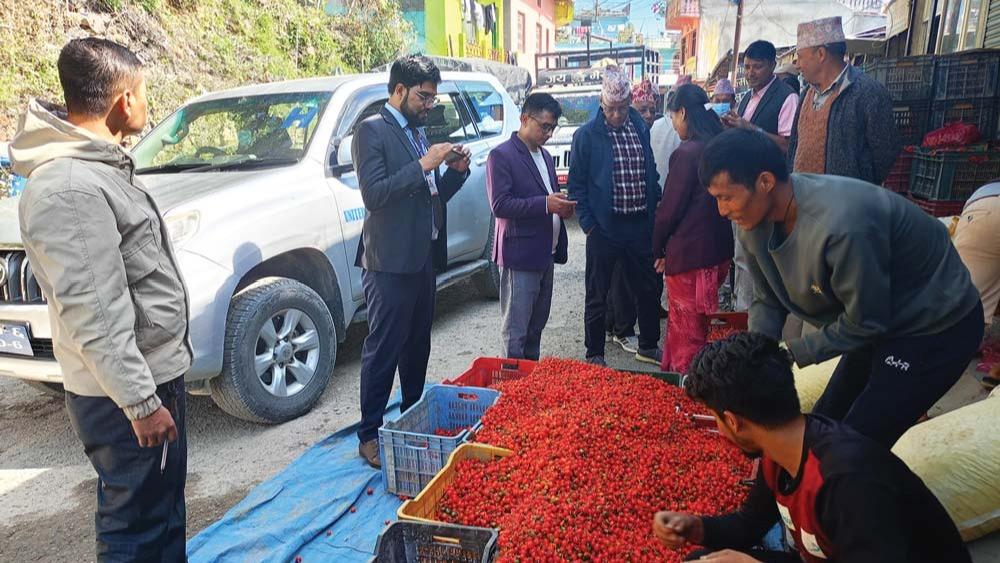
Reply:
x=344 y=161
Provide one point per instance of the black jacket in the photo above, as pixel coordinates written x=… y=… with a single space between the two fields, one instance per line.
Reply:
x=396 y=236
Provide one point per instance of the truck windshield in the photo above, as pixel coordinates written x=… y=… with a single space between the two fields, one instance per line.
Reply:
x=578 y=107
x=204 y=136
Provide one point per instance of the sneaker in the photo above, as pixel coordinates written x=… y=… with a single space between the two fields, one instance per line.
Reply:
x=628 y=343
x=369 y=451
x=597 y=361
x=650 y=356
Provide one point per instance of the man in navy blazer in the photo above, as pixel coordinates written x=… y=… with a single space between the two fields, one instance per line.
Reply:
x=402 y=240
x=530 y=234
x=613 y=179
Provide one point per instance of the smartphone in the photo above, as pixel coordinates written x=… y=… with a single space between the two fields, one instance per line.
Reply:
x=455 y=154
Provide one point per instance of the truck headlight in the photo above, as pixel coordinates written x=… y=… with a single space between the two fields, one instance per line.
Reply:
x=182 y=227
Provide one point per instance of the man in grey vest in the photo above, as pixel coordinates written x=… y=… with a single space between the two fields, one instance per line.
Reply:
x=768 y=108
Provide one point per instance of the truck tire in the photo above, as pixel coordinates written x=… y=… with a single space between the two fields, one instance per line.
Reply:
x=487 y=282
x=279 y=352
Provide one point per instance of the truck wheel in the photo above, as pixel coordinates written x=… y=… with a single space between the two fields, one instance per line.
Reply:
x=279 y=352
x=487 y=282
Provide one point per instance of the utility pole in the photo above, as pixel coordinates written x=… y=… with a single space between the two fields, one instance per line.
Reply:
x=736 y=42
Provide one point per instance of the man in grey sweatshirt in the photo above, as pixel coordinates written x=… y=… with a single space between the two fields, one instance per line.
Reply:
x=878 y=277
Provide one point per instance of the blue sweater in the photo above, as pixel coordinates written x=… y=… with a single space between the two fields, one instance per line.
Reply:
x=590 y=184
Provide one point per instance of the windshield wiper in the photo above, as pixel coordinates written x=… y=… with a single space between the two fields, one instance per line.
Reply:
x=169 y=168
x=247 y=164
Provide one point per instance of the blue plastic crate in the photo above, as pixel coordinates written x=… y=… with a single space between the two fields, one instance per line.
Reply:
x=411 y=453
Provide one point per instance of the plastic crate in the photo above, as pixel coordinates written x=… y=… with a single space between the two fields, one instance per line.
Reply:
x=411 y=453
x=981 y=112
x=488 y=371
x=939 y=208
x=413 y=542
x=898 y=179
x=909 y=79
x=424 y=508
x=912 y=121
x=952 y=175
x=967 y=75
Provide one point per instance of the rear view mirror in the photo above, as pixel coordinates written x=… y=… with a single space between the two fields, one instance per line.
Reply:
x=342 y=162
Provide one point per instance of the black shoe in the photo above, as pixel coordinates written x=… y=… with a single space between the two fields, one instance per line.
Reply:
x=650 y=356
x=369 y=451
x=597 y=361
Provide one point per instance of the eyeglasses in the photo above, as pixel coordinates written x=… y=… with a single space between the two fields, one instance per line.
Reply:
x=426 y=98
x=545 y=127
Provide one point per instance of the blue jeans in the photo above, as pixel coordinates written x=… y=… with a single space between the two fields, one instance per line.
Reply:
x=140 y=511
x=525 y=303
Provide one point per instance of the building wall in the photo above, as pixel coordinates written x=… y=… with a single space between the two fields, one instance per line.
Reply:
x=445 y=30
x=536 y=13
x=775 y=21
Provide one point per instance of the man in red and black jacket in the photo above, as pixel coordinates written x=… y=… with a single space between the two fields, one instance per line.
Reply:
x=840 y=495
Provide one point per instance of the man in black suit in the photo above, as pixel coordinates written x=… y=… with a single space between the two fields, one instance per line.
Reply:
x=403 y=239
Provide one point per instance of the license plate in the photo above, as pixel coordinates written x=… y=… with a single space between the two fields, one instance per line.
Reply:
x=14 y=339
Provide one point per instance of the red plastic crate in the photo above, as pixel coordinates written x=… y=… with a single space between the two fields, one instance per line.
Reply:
x=721 y=324
x=898 y=179
x=485 y=372
x=943 y=208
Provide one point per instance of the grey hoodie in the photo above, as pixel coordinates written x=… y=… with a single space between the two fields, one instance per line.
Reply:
x=102 y=256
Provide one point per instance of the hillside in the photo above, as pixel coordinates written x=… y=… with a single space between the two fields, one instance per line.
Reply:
x=190 y=46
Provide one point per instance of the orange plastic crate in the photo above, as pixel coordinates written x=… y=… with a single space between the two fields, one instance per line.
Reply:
x=485 y=372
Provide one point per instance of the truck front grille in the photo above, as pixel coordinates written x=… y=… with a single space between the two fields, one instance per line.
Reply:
x=17 y=282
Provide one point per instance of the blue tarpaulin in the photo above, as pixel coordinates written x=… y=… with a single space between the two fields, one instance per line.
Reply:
x=305 y=511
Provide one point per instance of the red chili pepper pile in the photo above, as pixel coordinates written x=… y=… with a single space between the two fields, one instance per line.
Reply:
x=597 y=453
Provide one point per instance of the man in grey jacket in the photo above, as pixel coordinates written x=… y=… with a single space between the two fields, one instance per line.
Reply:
x=877 y=276
x=119 y=309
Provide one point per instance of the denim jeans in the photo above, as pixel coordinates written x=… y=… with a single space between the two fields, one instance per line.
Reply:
x=140 y=510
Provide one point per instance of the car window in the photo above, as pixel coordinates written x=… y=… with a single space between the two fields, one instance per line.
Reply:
x=370 y=110
x=277 y=126
x=577 y=107
x=487 y=107
x=448 y=122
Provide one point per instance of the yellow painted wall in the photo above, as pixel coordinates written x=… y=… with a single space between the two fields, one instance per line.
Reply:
x=444 y=21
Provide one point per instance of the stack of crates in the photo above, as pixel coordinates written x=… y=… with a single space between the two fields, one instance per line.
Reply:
x=927 y=93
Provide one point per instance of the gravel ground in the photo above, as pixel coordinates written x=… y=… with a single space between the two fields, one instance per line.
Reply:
x=47 y=487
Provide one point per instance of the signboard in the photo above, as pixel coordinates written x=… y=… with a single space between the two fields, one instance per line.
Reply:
x=569 y=77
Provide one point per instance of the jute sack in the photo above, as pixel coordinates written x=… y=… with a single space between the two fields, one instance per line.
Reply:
x=810 y=381
x=957 y=455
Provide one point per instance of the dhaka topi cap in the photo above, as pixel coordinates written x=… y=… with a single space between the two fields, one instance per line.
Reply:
x=723 y=87
x=616 y=87
x=643 y=92
x=820 y=32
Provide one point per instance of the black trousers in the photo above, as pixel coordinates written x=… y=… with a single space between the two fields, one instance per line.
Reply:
x=882 y=389
x=620 y=315
x=400 y=313
x=635 y=258
x=140 y=511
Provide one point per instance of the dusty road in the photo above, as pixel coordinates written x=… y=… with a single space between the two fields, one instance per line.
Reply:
x=47 y=485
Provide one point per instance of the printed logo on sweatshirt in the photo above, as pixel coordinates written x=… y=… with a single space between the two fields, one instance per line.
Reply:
x=811 y=545
x=786 y=516
x=816 y=289
x=898 y=364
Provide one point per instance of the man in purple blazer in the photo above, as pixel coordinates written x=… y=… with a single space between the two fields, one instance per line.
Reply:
x=530 y=234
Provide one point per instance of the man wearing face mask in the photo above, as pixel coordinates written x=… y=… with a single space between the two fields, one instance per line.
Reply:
x=840 y=495
x=403 y=239
x=613 y=179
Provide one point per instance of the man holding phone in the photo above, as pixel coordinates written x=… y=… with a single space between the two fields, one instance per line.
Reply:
x=531 y=236
x=403 y=240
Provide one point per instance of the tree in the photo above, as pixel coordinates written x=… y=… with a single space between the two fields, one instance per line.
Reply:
x=371 y=33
